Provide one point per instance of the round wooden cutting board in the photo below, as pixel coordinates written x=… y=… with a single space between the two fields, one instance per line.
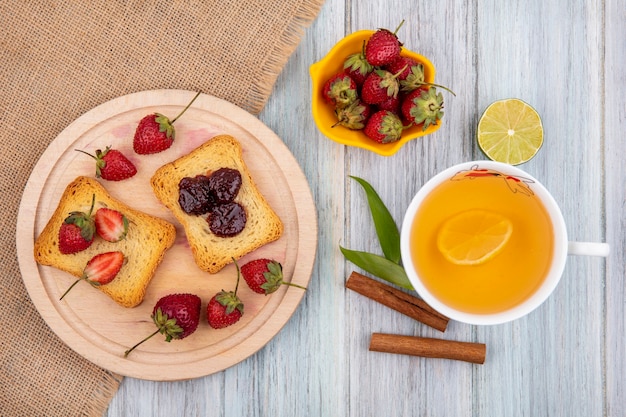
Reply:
x=101 y=330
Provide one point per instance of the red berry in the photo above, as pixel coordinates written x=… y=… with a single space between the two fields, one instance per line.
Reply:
x=176 y=316
x=392 y=104
x=264 y=276
x=112 y=165
x=225 y=308
x=379 y=86
x=382 y=47
x=72 y=239
x=340 y=90
x=411 y=75
x=423 y=106
x=111 y=225
x=184 y=308
x=357 y=67
x=101 y=269
x=354 y=116
x=116 y=166
x=77 y=231
x=155 y=132
x=384 y=127
x=402 y=66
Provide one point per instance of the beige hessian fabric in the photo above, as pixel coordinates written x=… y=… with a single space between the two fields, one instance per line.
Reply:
x=59 y=59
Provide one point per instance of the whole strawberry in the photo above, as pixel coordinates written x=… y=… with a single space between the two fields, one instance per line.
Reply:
x=112 y=165
x=383 y=47
x=354 y=116
x=423 y=106
x=392 y=104
x=100 y=270
x=357 y=67
x=264 y=276
x=402 y=66
x=410 y=73
x=225 y=308
x=111 y=225
x=379 y=86
x=176 y=316
x=340 y=90
x=77 y=231
x=384 y=127
x=155 y=132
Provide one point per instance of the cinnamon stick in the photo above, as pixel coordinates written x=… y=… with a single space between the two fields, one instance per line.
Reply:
x=428 y=347
x=397 y=300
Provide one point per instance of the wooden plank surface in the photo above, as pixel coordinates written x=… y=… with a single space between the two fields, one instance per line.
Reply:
x=567 y=357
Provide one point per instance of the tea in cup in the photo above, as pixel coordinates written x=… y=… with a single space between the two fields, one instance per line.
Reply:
x=485 y=243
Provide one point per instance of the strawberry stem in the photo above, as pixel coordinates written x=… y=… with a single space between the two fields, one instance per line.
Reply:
x=148 y=337
x=398 y=28
x=86 y=153
x=291 y=284
x=71 y=286
x=185 y=109
x=440 y=86
x=238 y=275
x=93 y=203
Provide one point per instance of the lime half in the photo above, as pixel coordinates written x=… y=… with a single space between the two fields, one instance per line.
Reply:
x=510 y=131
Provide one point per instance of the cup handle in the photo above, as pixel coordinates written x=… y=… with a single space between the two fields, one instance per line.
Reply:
x=588 y=248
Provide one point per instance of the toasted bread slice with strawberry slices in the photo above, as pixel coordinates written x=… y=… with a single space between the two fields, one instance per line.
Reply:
x=145 y=244
x=211 y=252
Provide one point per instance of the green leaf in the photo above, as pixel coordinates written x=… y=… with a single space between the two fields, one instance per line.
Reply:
x=386 y=228
x=379 y=266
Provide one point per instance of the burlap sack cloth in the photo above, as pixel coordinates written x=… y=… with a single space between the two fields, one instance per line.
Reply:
x=59 y=59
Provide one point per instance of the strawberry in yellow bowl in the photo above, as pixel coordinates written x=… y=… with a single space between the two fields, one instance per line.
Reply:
x=371 y=92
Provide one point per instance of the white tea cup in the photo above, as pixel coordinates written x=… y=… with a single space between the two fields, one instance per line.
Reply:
x=518 y=181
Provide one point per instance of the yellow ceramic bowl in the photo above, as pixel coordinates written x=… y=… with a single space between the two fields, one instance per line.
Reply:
x=324 y=114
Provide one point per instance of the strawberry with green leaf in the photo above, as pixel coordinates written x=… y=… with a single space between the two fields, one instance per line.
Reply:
x=112 y=165
x=155 y=132
x=423 y=106
x=380 y=86
x=340 y=90
x=383 y=47
x=410 y=73
x=357 y=67
x=354 y=116
x=77 y=231
x=384 y=127
x=176 y=316
x=264 y=276
x=225 y=308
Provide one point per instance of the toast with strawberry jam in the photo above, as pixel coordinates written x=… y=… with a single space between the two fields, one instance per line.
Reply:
x=143 y=243
x=210 y=191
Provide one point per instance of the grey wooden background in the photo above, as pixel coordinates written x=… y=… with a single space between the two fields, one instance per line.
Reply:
x=567 y=358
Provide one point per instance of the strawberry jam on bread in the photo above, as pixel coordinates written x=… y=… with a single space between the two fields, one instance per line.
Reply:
x=213 y=251
x=144 y=245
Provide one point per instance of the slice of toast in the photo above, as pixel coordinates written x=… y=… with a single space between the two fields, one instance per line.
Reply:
x=146 y=242
x=211 y=253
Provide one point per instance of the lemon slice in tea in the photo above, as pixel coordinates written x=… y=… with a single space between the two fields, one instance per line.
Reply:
x=473 y=237
x=510 y=131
